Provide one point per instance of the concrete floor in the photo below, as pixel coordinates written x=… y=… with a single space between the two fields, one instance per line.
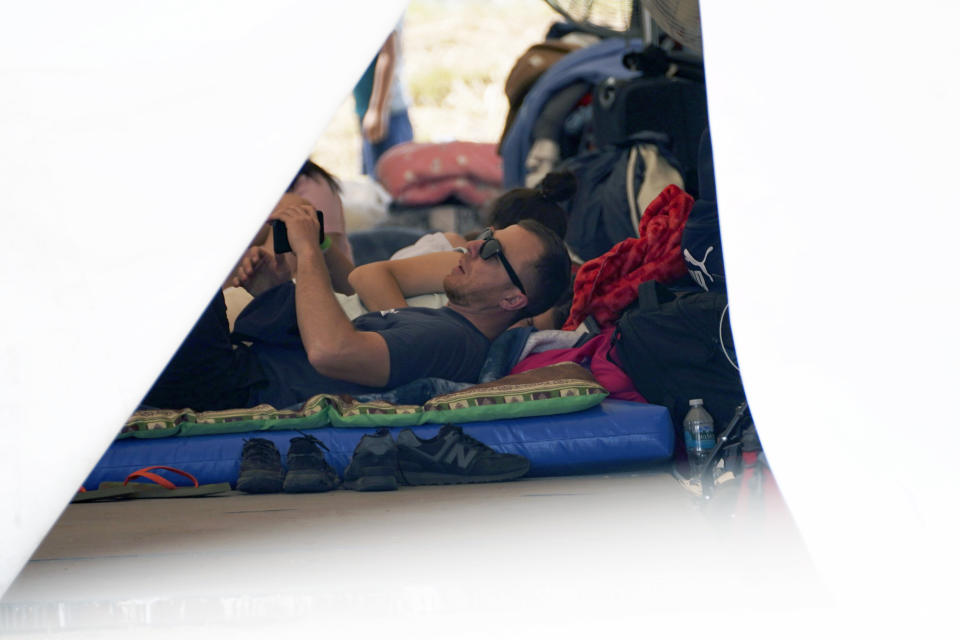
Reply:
x=542 y=557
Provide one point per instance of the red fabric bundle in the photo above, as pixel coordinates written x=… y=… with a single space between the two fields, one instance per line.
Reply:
x=428 y=173
x=605 y=285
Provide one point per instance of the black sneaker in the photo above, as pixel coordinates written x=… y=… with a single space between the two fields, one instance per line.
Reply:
x=260 y=468
x=373 y=466
x=307 y=470
x=453 y=457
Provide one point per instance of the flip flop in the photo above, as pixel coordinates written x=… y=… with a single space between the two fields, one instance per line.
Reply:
x=163 y=488
x=103 y=493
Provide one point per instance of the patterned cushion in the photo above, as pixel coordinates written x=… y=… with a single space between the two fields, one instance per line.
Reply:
x=560 y=388
x=434 y=191
x=420 y=173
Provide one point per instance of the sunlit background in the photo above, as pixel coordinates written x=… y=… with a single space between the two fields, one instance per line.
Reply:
x=457 y=55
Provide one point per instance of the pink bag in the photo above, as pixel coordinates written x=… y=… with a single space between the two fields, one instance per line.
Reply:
x=595 y=355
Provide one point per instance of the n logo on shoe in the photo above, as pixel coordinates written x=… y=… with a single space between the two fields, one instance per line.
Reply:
x=453 y=452
x=460 y=453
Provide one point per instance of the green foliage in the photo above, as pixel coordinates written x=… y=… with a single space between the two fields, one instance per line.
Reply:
x=431 y=86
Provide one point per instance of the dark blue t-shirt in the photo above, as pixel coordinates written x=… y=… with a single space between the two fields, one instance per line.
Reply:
x=435 y=343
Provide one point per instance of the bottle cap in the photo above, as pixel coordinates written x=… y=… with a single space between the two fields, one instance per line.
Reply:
x=696 y=402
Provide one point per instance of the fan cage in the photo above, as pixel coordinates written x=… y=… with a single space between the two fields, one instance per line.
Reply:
x=613 y=18
x=645 y=19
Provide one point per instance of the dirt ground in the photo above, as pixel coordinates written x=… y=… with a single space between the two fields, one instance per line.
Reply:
x=457 y=55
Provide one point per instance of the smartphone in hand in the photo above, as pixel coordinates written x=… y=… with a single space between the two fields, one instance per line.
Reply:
x=280 y=242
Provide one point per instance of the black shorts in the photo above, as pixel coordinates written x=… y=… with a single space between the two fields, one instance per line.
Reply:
x=208 y=372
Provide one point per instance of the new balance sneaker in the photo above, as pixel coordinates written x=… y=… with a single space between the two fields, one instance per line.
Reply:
x=307 y=470
x=373 y=466
x=453 y=457
x=261 y=470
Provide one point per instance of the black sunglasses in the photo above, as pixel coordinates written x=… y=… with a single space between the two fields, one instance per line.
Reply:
x=491 y=247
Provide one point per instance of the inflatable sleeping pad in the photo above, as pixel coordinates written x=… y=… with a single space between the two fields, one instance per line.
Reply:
x=614 y=435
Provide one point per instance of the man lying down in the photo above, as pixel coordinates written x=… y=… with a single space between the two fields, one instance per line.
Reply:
x=294 y=341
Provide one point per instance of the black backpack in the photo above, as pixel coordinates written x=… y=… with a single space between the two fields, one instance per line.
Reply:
x=673 y=107
x=678 y=346
x=600 y=209
x=701 y=245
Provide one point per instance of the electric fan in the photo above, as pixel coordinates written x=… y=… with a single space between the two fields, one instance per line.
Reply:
x=679 y=19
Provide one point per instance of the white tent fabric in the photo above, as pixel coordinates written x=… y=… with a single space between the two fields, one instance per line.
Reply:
x=834 y=135
x=142 y=145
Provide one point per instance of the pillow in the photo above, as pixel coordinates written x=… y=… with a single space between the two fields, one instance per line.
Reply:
x=559 y=388
x=423 y=162
x=564 y=387
x=435 y=191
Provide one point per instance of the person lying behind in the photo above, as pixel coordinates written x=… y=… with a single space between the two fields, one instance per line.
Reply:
x=395 y=284
x=540 y=203
x=420 y=272
x=315 y=186
x=294 y=341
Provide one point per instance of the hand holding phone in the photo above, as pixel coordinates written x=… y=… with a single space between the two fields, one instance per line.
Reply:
x=281 y=244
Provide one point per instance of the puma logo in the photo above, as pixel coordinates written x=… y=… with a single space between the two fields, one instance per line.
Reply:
x=701 y=268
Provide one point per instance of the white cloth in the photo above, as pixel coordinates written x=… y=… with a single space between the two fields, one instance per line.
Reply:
x=365 y=203
x=551 y=339
x=237 y=298
x=429 y=243
x=353 y=307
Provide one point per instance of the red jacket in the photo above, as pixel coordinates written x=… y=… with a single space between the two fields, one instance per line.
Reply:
x=605 y=285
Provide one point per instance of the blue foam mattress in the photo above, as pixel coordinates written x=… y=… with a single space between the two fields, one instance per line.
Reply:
x=611 y=436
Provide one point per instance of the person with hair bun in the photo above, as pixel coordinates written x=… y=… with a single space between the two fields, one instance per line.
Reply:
x=540 y=203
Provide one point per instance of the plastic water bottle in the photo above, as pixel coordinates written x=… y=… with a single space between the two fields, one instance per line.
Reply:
x=698 y=436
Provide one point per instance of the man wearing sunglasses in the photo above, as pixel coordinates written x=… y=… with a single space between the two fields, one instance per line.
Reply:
x=491 y=247
x=294 y=340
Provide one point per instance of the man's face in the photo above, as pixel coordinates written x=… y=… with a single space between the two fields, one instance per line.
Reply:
x=478 y=282
x=319 y=194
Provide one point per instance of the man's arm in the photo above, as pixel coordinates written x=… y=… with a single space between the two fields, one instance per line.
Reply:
x=386 y=284
x=259 y=270
x=376 y=121
x=334 y=347
x=339 y=265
